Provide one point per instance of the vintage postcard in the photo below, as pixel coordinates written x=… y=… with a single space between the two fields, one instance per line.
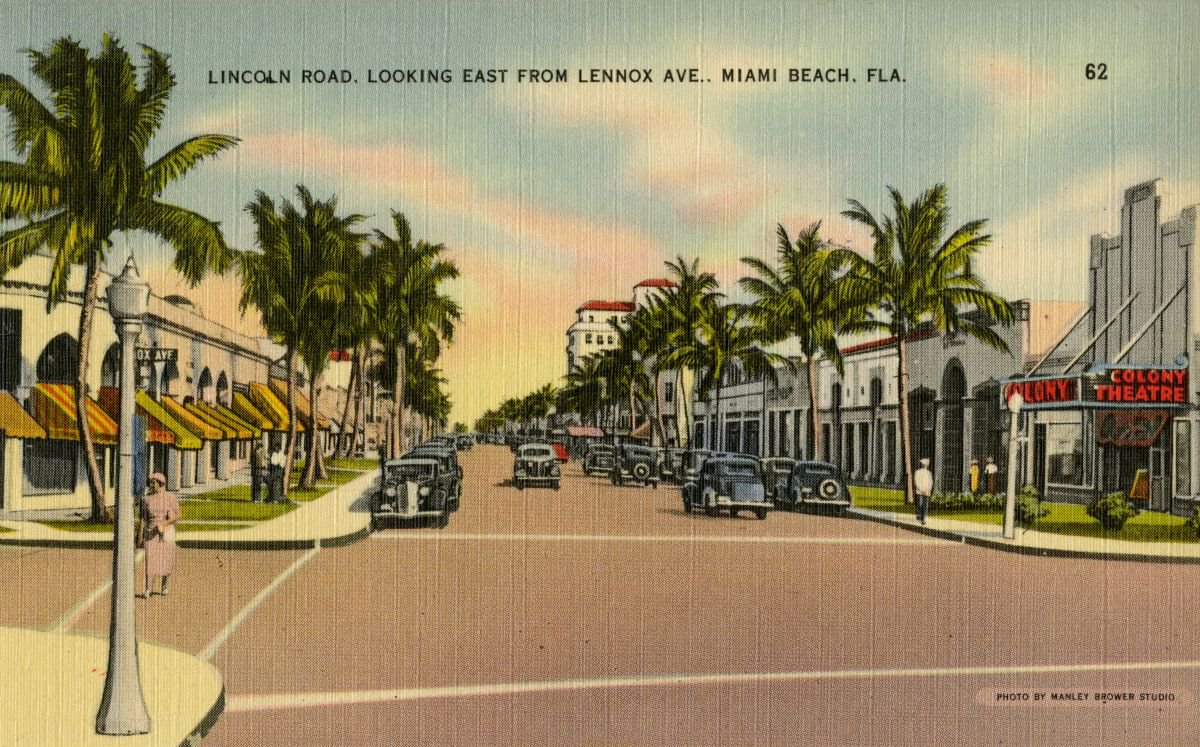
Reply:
x=599 y=373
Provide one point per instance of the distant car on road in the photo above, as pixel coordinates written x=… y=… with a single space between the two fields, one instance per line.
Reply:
x=464 y=442
x=727 y=482
x=636 y=464
x=814 y=484
x=560 y=452
x=776 y=471
x=413 y=488
x=599 y=459
x=536 y=464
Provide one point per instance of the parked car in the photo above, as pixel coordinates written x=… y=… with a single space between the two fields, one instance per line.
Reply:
x=464 y=442
x=692 y=461
x=535 y=464
x=776 y=471
x=814 y=484
x=599 y=459
x=451 y=472
x=413 y=488
x=636 y=464
x=560 y=452
x=671 y=467
x=727 y=482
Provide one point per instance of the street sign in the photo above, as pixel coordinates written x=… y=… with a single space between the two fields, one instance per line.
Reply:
x=156 y=355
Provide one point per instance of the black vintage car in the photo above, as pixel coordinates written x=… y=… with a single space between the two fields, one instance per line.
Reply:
x=536 y=464
x=814 y=484
x=776 y=472
x=636 y=464
x=599 y=459
x=451 y=471
x=727 y=482
x=671 y=466
x=413 y=488
x=464 y=442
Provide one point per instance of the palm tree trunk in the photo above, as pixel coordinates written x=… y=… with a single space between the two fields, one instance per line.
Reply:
x=814 y=419
x=320 y=472
x=720 y=439
x=293 y=430
x=684 y=379
x=360 y=388
x=310 y=455
x=394 y=449
x=342 y=441
x=87 y=315
x=658 y=416
x=632 y=404
x=905 y=431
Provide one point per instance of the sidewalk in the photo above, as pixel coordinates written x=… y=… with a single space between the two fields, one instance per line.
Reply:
x=1031 y=542
x=340 y=517
x=55 y=681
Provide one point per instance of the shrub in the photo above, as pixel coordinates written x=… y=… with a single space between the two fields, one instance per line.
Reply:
x=1194 y=520
x=948 y=502
x=1111 y=510
x=1029 y=507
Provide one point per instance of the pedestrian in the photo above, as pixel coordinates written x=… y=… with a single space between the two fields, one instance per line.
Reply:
x=275 y=475
x=923 y=487
x=160 y=513
x=974 y=477
x=258 y=464
x=992 y=472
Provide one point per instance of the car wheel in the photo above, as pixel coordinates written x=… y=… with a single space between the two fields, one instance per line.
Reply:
x=761 y=513
x=557 y=485
x=443 y=520
x=711 y=510
x=733 y=513
x=687 y=507
x=520 y=485
x=641 y=472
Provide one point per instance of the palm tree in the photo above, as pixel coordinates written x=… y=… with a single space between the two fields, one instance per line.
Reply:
x=628 y=357
x=86 y=176
x=803 y=297
x=408 y=308
x=682 y=307
x=728 y=335
x=296 y=281
x=918 y=277
x=583 y=390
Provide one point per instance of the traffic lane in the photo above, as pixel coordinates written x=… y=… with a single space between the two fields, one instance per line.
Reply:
x=876 y=709
x=434 y=612
x=208 y=588
x=43 y=583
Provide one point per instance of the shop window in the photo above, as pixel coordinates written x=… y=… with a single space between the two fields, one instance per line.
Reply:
x=50 y=466
x=10 y=349
x=1064 y=452
x=668 y=391
x=1183 y=458
x=588 y=338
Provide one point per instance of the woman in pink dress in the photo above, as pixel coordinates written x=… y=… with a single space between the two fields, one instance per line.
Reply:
x=160 y=513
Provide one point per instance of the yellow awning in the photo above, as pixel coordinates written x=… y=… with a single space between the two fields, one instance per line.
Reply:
x=15 y=422
x=234 y=419
x=161 y=426
x=279 y=387
x=202 y=411
x=194 y=423
x=243 y=407
x=272 y=406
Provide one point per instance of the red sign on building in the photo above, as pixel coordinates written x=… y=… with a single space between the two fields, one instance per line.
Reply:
x=1167 y=386
x=1044 y=391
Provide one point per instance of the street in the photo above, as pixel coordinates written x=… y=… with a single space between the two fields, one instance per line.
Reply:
x=604 y=615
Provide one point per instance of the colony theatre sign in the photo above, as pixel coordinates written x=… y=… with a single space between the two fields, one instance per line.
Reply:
x=1103 y=387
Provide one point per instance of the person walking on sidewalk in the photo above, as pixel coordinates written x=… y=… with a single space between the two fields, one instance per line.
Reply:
x=160 y=514
x=992 y=473
x=923 y=487
x=258 y=463
x=275 y=475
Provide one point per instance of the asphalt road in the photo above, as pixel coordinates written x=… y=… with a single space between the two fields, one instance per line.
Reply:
x=600 y=615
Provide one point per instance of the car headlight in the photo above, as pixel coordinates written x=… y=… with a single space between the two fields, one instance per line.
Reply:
x=520 y=471
x=390 y=491
x=554 y=470
x=424 y=491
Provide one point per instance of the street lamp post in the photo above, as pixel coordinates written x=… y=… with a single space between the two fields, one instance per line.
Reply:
x=1010 y=504
x=123 y=706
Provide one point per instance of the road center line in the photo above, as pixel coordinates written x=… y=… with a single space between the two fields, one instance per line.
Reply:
x=253 y=604
x=427 y=536
x=71 y=616
x=280 y=701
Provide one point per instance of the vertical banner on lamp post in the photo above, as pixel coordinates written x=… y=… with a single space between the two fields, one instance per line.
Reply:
x=139 y=473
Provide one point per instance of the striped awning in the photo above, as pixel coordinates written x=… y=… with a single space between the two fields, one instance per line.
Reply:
x=205 y=413
x=195 y=424
x=161 y=426
x=234 y=419
x=584 y=431
x=54 y=410
x=244 y=408
x=272 y=406
x=15 y=422
x=241 y=430
x=279 y=387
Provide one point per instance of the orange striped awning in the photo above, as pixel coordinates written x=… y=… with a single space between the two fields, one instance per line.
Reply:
x=15 y=422
x=54 y=410
x=243 y=407
x=194 y=423
x=272 y=406
x=161 y=427
x=279 y=387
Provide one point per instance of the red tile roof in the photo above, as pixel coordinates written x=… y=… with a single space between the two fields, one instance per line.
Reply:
x=607 y=306
x=655 y=283
x=920 y=334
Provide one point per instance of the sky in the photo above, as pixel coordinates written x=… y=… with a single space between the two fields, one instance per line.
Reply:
x=551 y=194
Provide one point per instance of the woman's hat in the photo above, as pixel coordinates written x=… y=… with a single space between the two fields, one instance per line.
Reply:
x=158 y=477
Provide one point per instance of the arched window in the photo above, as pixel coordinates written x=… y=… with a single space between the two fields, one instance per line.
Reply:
x=203 y=385
x=170 y=374
x=954 y=388
x=110 y=367
x=59 y=361
x=223 y=389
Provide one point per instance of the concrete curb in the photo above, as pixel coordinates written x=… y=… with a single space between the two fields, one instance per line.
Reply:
x=1047 y=552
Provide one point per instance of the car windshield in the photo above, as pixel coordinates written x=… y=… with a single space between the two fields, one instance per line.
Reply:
x=818 y=470
x=408 y=471
x=737 y=469
x=536 y=451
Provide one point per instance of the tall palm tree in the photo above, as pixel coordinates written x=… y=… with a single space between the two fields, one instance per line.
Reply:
x=296 y=281
x=409 y=308
x=920 y=274
x=682 y=307
x=803 y=297
x=86 y=175
x=583 y=390
x=634 y=340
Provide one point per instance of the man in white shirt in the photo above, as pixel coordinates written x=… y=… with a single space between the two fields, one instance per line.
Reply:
x=275 y=475
x=923 y=487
